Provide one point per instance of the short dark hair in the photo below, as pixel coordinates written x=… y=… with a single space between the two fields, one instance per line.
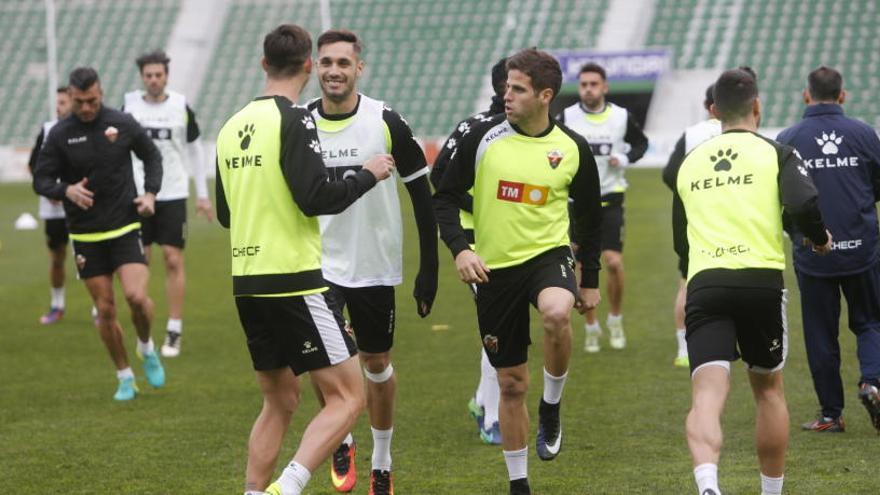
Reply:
x=340 y=35
x=62 y=89
x=710 y=96
x=748 y=70
x=83 y=78
x=286 y=48
x=593 y=67
x=825 y=84
x=499 y=76
x=540 y=66
x=735 y=91
x=153 y=57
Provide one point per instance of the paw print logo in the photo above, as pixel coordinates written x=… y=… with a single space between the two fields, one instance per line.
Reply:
x=451 y=143
x=308 y=122
x=723 y=159
x=464 y=128
x=829 y=143
x=315 y=145
x=245 y=136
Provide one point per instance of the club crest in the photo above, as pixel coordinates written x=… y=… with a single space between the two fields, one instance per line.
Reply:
x=554 y=158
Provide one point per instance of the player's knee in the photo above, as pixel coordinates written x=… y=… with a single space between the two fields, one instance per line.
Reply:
x=285 y=402
x=614 y=263
x=512 y=387
x=378 y=369
x=556 y=316
x=106 y=309
x=174 y=261
x=137 y=298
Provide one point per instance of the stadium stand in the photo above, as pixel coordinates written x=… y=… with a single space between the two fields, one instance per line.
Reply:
x=427 y=59
x=106 y=34
x=782 y=40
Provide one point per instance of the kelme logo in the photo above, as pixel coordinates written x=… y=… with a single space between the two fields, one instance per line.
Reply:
x=723 y=160
x=245 y=136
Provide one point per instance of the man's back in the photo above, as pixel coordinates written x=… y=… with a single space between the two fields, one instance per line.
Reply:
x=842 y=156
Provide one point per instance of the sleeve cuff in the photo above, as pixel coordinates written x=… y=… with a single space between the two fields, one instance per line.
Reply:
x=589 y=279
x=458 y=246
x=365 y=178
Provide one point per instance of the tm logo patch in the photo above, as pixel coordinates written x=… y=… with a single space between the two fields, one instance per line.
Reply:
x=518 y=192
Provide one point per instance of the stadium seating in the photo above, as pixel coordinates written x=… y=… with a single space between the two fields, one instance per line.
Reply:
x=427 y=59
x=782 y=40
x=106 y=34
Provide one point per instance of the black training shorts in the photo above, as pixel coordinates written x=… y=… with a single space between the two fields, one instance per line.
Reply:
x=104 y=257
x=371 y=314
x=167 y=227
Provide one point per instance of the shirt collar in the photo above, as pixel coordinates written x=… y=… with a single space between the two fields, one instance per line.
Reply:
x=823 y=109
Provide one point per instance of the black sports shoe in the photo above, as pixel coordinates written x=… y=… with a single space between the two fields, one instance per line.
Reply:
x=870 y=397
x=520 y=487
x=709 y=491
x=381 y=483
x=825 y=424
x=549 y=438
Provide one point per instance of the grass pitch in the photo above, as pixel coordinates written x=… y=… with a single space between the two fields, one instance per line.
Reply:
x=623 y=411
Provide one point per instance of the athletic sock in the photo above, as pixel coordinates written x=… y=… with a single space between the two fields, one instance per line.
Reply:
x=553 y=386
x=174 y=325
x=57 y=297
x=491 y=393
x=124 y=373
x=294 y=479
x=592 y=328
x=706 y=476
x=682 y=342
x=145 y=347
x=517 y=463
x=614 y=319
x=771 y=486
x=382 y=449
x=348 y=440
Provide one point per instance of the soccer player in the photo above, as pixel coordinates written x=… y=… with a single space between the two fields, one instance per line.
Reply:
x=52 y=213
x=522 y=167
x=86 y=161
x=842 y=156
x=271 y=184
x=362 y=247
x=689 y=140
x=483 y=406
x=728 y=204
x=172 y=125
x=617 y=142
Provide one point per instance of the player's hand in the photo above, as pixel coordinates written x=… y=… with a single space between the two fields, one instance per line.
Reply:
x=471 y=268
x=425 y=291
x=205 y=209
x=381 y=166
x=587 y=299
x=821 y=250
x=146 y=204
x=79 y=195
x=618 y=160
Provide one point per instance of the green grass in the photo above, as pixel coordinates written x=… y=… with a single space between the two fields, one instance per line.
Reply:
x=623 y=412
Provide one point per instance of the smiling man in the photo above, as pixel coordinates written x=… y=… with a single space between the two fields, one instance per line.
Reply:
x=362 y=247
x=522 y=167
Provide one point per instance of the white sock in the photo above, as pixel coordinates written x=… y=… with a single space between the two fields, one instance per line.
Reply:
x=706 y=476
x=491 y=393
x=382 y=448
x=682 y=343
x=57 y=297
x=771 y=486
x=553 y=386
x=294 y=479
x=614 y=319
x=592 y=328
x=124 y=373
x=517 y=463
x=348 y=440
x=145 y=347
x=174 y=325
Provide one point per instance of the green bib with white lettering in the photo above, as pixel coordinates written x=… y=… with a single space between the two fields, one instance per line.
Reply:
x=729 y=186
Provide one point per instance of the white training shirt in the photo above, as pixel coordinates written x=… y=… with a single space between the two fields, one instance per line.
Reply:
x=604 y=131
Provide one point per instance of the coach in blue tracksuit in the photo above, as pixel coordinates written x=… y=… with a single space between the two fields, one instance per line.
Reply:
x=842 y=155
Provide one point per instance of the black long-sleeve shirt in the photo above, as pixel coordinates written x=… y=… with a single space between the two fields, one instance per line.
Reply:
x=99 y=151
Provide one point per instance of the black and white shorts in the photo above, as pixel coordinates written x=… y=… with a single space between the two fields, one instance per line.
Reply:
x=726 y=323
x=503 y=303
x=56 y=233
x=371 y=314
x=167 y=227
x=612 y=222
x=104 y=257
x=304 y=333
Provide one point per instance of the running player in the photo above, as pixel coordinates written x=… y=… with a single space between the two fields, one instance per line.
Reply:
x=522 y=167
x=362 y=247
x=483 y=406
x=617 y=142
x=52 y=213
x=86 y=161
x=172 y=124
x=692 y=136
x=271 y=183
x=728 y=204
